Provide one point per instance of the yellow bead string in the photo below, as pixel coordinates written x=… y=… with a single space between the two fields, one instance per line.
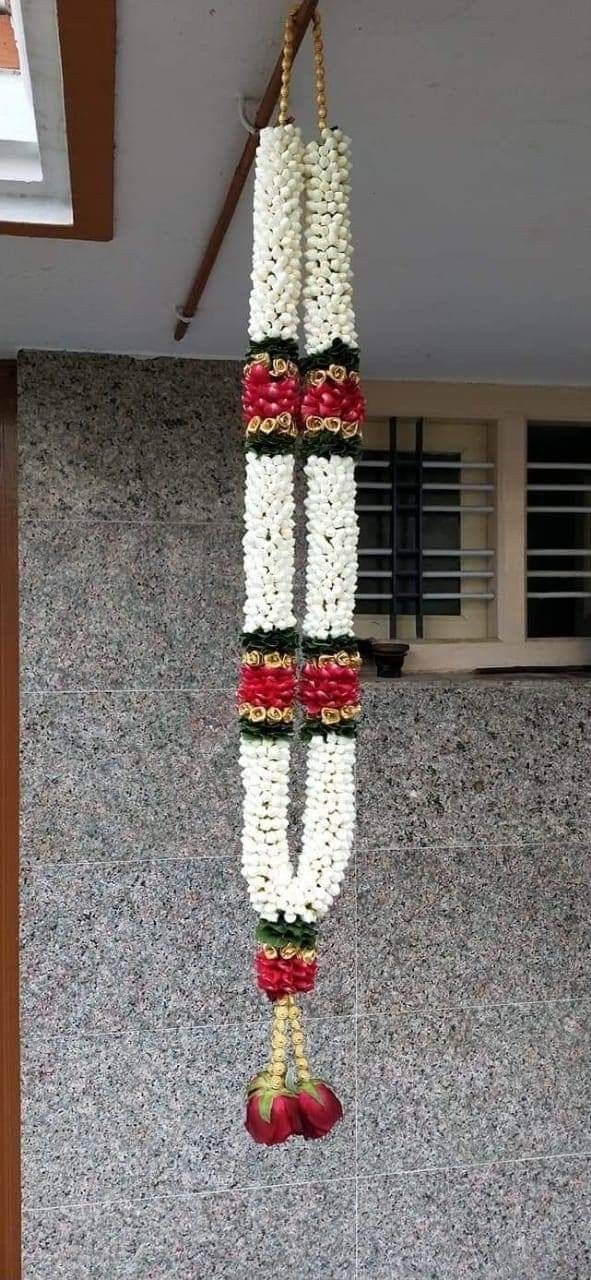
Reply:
x=278 y=1065
x=319 y=69
x=286 y=62
x=297 y=1040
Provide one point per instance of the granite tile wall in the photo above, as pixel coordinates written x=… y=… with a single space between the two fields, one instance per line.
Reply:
x=455 y=1019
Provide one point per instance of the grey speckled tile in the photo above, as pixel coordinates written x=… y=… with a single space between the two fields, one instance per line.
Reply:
x=475 y=1085
x=501 y=762
x=112 y=1117
x=513 y=1222
x=110 y=777
x=306 y=1231
x=156 y=943
x=128 y=605
x=462 y=925
x=110 y=436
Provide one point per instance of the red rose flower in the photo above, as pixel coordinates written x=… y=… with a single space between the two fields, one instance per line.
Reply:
x=328 y=686
x=264 y=396
x=267 y=686
x=272 y=1116
x=278 y=976
x=334 y=400
x=319 y=1108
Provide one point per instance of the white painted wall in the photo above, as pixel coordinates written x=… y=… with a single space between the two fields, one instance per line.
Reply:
x=472 y=196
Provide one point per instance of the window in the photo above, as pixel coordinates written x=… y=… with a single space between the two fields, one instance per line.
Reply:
x=558 y=529
x=427 y=511
x=34 y=171
x=475 y=525
x=57 y=118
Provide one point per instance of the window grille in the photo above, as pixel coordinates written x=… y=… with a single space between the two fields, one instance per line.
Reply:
x=420 y=507
x=559 y=530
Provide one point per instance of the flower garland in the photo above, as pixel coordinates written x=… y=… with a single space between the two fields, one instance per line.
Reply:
x=316 y=406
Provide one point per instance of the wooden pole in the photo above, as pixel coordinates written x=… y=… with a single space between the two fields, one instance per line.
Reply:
x=301 y=21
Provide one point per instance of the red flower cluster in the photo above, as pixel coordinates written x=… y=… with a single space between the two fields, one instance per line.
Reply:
x=273 y=1115
x=328 y=686
x=278 y=976
x=334 y=400
x=267 y=686
x=266 y=396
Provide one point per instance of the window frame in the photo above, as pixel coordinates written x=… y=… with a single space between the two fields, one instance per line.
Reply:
x=87 y=45
x=510 y=408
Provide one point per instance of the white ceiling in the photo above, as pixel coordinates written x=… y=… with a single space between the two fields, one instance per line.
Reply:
x=471 y=122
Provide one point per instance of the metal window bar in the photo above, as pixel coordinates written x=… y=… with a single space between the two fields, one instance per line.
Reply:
x=566 y=482
x=406 y=478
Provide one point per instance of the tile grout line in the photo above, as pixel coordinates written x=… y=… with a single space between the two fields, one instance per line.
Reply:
x=178 y=1197
x=248 y=1188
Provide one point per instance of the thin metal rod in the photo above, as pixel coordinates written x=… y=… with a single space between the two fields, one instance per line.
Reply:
x=559 y=488
x=458 y=573
x=568 y=551
x=419 y=526
x=393 y=425
x=559 y=595
x=457 y=510
x=301 y=21
x=577 y=511
x=559 y=466
x=458 y=552
x=458 y=466
x=481 y=488
x=559 y=573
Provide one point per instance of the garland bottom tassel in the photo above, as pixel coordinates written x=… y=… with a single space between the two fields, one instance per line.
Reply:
x=275 y=1110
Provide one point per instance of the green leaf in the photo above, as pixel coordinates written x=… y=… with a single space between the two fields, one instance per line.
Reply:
x=266 y=1100
x=315 y=728
x=283 y=639
x=279 y=933
x=265 y=730
x=326 y=444
x=311 y=647
x=286 y=347
x=270 y=445
x=337 y=353
x=309 y=1086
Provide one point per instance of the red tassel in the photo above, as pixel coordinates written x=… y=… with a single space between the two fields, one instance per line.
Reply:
x=319 y=1108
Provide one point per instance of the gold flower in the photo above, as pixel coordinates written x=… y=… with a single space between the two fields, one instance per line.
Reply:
x=337 y=372
x=314 y=424
x=252 y=426
x=288 y=951
x=332 y=424
x=309 y=955
x=349 y=429
x=274 y=715
x=316 y=377
x=287 y=715
x=273 y=659
x=270 y=952
x=257 y=714
x=252 y=658
x=279 y=367
x=330 y=715
x=350 y=712
x=267 y=426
